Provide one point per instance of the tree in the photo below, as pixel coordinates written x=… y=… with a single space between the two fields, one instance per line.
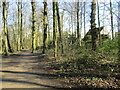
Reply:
x=59 y=27
x=45 y=24
x=78 y=32
x=9 y=46
x=21 y=35
x=119 y=18
x=48 y=33
x=14 y=37
x=111 y=12
x=84 y=17
x=33 y=27
x=8 y=40
x=62 y=20
x=99 y=36
x=18 y=42
x=81 y=18
x=93 y=26
x=119 y=29
x=54 y=29
x=5 y=28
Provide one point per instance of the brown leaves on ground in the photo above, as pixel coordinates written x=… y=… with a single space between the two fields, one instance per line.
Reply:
x=87 y=77
x=93 y=82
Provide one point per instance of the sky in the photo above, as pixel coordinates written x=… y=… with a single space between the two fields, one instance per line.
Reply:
x=27 y=13
x=63 y=0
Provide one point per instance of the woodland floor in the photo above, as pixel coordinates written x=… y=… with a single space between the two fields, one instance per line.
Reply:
x=27 y=70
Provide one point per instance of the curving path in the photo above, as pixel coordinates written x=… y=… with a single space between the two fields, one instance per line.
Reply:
x=19 y=71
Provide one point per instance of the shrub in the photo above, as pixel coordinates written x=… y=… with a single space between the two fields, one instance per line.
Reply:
x=110 y=45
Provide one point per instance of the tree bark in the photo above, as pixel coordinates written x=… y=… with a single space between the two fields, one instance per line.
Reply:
x=48 y=32
x=111 y=20
x=81 y=22
x=99 y=36
x=84 y=18
x=54 y=30
x=62 y=21
x=14 y=38
x=33 y=27
x=119 y=29
x=78 y=29
x=45 y=24
x=21 y=29
x=5 y=28
x=18 y=42
x=9 y=45
x=59 y=28
x=93 y=26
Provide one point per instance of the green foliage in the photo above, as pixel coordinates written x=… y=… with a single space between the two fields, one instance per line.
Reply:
x=50 y=44
x=87 y=37
x=72 y=38
x=75 y=45
x=110 y=45
x=105 y=37
x=39 y=47
x=105 y=58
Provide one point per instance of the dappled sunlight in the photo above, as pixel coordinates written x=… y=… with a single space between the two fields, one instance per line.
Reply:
x=57 y=44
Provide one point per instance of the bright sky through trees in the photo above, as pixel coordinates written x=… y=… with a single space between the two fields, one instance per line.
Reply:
x=27 y=12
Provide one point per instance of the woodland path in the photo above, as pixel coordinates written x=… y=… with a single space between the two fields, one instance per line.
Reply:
x=19 y=71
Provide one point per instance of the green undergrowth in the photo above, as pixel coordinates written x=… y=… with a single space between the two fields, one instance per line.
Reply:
x=82 y=67
x=79 y=58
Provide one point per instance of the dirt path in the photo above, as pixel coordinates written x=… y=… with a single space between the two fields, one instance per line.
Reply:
x=19 y=71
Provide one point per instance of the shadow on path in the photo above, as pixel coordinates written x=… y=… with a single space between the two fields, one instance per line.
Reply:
x=20 y=55
x=24 y=62
x=60 y=75
x=26 y=82
x=39 y=74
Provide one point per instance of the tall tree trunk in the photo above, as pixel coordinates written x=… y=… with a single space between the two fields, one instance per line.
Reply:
x=54 y=30
x=99 y=36
x=48 y=31
x=84 y=17
x=81 y=21
x=111 y=20
x=37 y=35
x=0 y=42
x=18 y=42
x=72 y=28
x=78 y=32
x=33 y=27
x=5 y=28
x=93 y=26
x=119 y=18
x=72 y=23
x=62 y=21
x=119 y=29
x=14 y=38
x=9 y=46
x=104 y=15
x=59 y=28
x=21 y=26
x=45 y=24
